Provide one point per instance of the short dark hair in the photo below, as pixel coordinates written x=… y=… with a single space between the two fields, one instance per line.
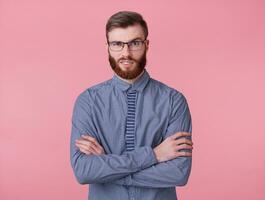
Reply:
x=123 y=19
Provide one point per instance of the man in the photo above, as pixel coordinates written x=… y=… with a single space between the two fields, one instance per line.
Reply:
x=131 y=135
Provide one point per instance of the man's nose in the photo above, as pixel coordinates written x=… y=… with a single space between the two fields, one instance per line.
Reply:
x=126 y=51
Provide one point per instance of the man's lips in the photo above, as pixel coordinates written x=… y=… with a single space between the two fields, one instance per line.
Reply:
x=126 y=62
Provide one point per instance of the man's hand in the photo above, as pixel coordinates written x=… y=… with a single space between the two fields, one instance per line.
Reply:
x=89 y=145
x=169 y=148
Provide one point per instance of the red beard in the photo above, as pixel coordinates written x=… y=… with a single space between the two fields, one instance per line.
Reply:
x=140 y=65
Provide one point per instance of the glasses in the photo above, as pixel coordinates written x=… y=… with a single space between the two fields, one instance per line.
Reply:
x=134 y=45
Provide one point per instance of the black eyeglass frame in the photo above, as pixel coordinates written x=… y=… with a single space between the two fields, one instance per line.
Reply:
x=123 y=44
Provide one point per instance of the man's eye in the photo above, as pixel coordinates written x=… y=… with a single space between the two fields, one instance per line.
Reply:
x=136 y=43
x=118 y=44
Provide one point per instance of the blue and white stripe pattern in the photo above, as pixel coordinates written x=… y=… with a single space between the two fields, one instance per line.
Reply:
x=130 y=120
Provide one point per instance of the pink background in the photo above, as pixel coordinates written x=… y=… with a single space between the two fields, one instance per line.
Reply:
x=212 y=51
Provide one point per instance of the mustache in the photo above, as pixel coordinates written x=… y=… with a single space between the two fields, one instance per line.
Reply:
x=128 y=58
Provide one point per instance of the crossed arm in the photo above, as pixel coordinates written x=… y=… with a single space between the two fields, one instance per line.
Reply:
x=136 y=168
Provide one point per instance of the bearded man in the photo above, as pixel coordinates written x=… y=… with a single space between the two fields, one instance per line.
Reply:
x=131 y=134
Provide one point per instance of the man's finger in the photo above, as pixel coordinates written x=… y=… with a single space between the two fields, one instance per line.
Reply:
x=96 y=148
x=86 y=148
x=184 y=146
x=180 y=134
x=90 y=138
x=183 y=153
x=183 y=141
x=85 y=151
x=86 y=142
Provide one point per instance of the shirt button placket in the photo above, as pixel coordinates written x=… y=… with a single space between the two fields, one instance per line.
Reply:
x=132 y=193
x=130 y=129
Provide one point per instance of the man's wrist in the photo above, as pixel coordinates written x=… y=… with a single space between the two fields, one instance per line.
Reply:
x=157 y=155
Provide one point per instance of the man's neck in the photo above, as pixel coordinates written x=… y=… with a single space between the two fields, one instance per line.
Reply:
x=131 y=81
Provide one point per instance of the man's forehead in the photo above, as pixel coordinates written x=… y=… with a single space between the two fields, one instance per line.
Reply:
x=126 y=34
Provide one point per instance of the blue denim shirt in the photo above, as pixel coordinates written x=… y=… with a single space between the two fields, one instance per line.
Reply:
x=100 y=111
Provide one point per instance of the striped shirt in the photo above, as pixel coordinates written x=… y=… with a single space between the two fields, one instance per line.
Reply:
x=129 y=121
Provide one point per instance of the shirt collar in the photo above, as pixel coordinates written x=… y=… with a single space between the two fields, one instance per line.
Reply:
x=138 y=85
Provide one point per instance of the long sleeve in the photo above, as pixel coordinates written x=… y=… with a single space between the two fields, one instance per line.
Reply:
x=174 y=172
x=101 y=168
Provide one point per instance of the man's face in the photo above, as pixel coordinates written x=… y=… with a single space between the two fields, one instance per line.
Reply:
x=128 y=64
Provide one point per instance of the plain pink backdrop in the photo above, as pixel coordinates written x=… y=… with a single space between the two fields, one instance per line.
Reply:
x=212 y=51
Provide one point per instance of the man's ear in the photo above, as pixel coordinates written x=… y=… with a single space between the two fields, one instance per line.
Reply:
x=107 y=46
x=147 y=45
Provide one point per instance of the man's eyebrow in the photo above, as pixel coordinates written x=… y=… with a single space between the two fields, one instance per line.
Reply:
x=129 y=40
x=135 y=39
